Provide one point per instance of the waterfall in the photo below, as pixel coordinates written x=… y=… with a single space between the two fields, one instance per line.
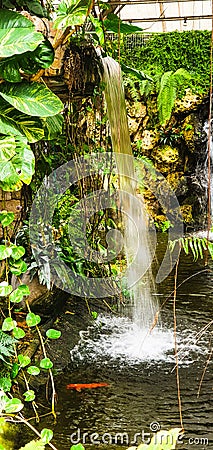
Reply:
x=136 y=236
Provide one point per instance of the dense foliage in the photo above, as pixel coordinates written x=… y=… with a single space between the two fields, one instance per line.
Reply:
x=161 y=53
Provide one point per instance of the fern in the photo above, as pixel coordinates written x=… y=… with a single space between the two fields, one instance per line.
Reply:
x=197 y=246
x=6 y=347
x=166 y=97
x=169 y=85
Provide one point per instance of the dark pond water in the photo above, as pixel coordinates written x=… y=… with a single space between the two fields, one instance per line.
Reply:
x=142 y=392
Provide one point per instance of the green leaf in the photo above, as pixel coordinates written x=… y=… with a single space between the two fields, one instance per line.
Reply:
x=16 y=123
x=14 y=370
x=41 y=58
x=166 y=96
x=7 y=148
x=29 y=395
x=33 y=370
x=24 y=360
x=6 y=218
x=5 y=252
x=17 y=251
x=13 y=405
x=137 y=73
x=18 y=333
x=5 y=385
x=53 y=334
x=5 y=289
x=8 y=324
x=18 y=267
x=17 y=34
x=34 y=445
x=113 y=23
x=24 y=161
x=46 y=435
x=97 y=24
x=46 y=363
x=31 y=98
x=32 y=319
x=16 y=296
x=77 y=447
x=53 y=126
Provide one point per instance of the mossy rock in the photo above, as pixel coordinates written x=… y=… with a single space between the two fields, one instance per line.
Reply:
x=186 y=211
x=167 y=158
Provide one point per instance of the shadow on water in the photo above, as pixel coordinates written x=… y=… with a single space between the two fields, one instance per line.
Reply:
x=142 y=384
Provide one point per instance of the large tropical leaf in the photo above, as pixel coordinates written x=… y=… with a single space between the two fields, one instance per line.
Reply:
x=137 y=73
x=34 y=99
x=53 y=126
x=30 y=62
x=17 y=34
x=115 y=24
x=13 y=122
x=71 y=13
x=17 y=164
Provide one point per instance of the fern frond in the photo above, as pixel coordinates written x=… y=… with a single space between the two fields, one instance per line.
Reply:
x=166 y=97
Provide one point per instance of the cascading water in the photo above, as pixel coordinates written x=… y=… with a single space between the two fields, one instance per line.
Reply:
x=136 y=237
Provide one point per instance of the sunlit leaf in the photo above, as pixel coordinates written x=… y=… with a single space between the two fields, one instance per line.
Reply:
x=33 y=370
x=18 y=333
x=53 y=334
x=32 y=319
x=5 y=289
x=13 y=405
x=46 y=435
x=34 y=98
x=6 y=218
x=29 y=395
x=24 y=360
x=5 y=252
x=46 y=363
x=17 y=34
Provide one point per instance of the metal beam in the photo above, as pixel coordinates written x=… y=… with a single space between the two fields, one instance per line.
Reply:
x=160 y=19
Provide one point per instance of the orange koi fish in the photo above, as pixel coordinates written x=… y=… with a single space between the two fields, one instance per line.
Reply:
x=80 y=386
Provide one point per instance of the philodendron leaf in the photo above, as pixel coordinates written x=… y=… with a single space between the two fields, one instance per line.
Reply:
x=5 y=252
x=13 y=405
x=34 y=99
x=33 y=370
x=18 y=333
x=17 y=251
x=18 y=294
x=24 y=360
x=32 y=319
x=5 y=289
x=46 y=363
x=8 y=324
x=17 y=34
x=53 y=334
x=18 y=267
x=6 y=218
x=13 y=122
x=115 y=24
x=46 y=435
x=29 y=395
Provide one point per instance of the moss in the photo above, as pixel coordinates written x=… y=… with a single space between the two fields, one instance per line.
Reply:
x=166 y=158
x=175 y=179
x=186 y=211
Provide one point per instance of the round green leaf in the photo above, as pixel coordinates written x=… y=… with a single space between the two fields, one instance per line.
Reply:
x=8 y=324
x=23 y=360
x=77 y=447
x=5 y=289
x=6 y=218
x=5 y=384
x=46 y=435
x=17 y=295
x=5 y=252
x=17 y=251
x=33 y=319
x=46 y=363
x=33 y=370
x=53 y=334
x=29 y=395
x=13 y=405
x=18 y=333
x=18 y=267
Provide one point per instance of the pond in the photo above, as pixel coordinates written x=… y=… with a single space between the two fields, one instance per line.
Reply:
x=141 y=396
